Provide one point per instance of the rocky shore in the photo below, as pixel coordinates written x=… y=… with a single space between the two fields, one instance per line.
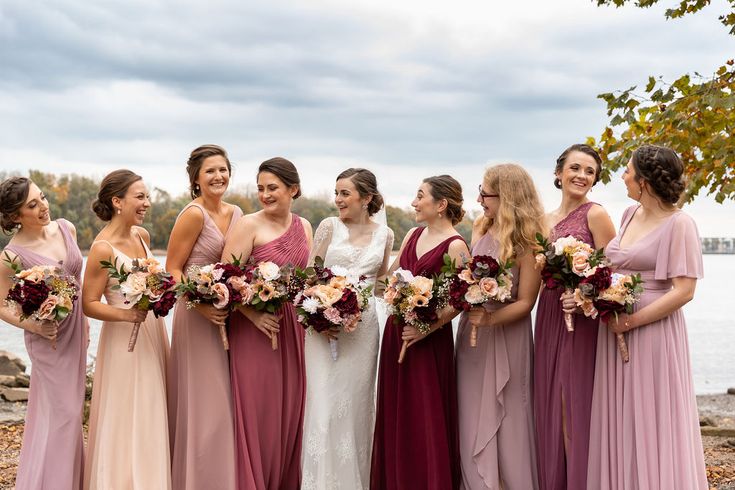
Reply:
x=716 y=414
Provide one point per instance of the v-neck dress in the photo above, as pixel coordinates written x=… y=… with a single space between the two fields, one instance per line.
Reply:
x=416 y=442
x=128 y=421
x=52 y=451
x=644 y=431
x=199 y=394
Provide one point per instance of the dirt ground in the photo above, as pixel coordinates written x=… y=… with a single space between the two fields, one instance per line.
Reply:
x=719 y=451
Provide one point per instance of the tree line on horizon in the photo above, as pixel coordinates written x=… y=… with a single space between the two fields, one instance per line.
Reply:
x=70 y=196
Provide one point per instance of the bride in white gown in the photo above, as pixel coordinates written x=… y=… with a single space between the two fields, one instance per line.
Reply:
x=340 y=395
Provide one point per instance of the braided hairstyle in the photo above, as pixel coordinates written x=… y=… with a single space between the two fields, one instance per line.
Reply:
x=662 y=168
x=13 y=195
x=582 y=148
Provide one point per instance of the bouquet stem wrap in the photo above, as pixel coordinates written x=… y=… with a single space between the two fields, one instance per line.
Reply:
x=333 y=348
x=133 y=337
x=569 y=317
x=403 y=352
x=473 y=336
x=623 y=347
x=223 y=336
x=274 y=341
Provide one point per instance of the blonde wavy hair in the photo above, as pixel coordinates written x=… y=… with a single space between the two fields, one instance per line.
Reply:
x=520 y=214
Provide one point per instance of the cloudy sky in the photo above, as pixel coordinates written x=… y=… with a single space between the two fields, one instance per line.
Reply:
x=407 y=89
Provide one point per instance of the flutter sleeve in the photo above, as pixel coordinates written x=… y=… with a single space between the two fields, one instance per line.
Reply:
x=680 y=250
x=322 y=239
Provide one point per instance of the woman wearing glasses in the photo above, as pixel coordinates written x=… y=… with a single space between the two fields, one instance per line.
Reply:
x=564 y=361
x=496 y=436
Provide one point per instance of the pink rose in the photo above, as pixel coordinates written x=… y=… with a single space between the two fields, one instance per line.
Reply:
x=489 y=286
x=540 y=261
x=46 y=310
x=223 y=295
x=474 y=295
x=34 y=274
x=466 y=276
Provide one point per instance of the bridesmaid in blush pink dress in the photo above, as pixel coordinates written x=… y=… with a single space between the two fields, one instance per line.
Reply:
x=497 y=441
x=128 y=423
x=416 y=440
x=645 y=428
x=564 y=362
x=268 y=386
x=52 y=452
x=199 y=395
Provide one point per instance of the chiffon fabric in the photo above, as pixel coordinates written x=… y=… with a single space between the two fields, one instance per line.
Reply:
x=340 y=395
x=497 y=441
x=268 y=386
x=199 y=395
x=416 y=438
x=52 y=452
x=564 y=369
x=128 y=422
x=645 y=427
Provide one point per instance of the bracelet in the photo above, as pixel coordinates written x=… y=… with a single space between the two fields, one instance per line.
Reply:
x=627 y=323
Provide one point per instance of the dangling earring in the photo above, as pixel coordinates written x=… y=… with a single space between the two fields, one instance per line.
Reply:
x=364 y=206
x=196 y=187
x=119 y=211
x=440 y=216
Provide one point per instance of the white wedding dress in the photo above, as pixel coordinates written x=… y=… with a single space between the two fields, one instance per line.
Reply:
x=340 y=395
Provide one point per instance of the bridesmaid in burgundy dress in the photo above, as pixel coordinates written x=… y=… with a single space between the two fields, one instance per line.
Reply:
x=268 y=386
x=645 y=427
x=564 y=362
x=416 y=436
x=52 y=452
x=199 y=393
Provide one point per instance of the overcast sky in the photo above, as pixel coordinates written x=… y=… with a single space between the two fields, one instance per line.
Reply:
x=408 y=89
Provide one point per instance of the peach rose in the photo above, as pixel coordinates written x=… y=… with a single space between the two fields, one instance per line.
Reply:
x=489 y=286
x=151 y=265
x=327 y=294
x=222 y=295
x=466 y=276
x=579 y=263
x=34 y=274
x=338 y=282
x=46 y=310
x=540 y=261
x=422 y=285
x=390 y=295
x=474 y=295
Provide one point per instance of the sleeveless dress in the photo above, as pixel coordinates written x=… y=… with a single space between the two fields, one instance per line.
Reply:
x=340 y=395
x=497 y=441
x=268 y=385
x=416 y=440
x=645 y=427
x=128 y=444
x=199 y=394
x=564 y=369
x=52 y=452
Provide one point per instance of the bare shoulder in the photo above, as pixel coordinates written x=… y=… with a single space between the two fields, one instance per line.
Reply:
x=100 y=250
x=306 y=224
x=143 y=234
x=596 y=211
x=458 y=246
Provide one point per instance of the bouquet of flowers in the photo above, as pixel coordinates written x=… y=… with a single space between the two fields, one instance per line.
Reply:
x=478 y=280
x=414 y=300
x=146 y=286
x=221 y=285
x=267 y=288
x=42 y=292
x=619 y=293
x=565 y=262
x=330 y=297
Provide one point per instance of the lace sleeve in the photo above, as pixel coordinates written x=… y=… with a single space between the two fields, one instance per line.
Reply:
x=322 y=239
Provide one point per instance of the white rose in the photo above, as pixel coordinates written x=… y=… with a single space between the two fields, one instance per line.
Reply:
x=269 y=271
x=134 y=287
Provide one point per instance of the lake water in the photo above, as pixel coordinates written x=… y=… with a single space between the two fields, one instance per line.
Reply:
x=711 y=328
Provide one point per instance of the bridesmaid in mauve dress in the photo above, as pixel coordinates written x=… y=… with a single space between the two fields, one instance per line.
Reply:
x=416 y=440
x=199 y=395
x=497 y=441
x=645 y=428
x=268 y=386
x=564 y=362
x=52 y=452
x=128 y=422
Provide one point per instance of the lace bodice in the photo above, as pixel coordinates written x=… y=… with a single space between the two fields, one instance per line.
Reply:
x=332 y=242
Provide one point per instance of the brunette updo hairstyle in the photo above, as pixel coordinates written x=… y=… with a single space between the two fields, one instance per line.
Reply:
x=13 y=195
x=194 y=165
x=447 y=187
x=582 y=148
x=366 y=185
x=662 y=168
x=115 y=184
x=284 y=170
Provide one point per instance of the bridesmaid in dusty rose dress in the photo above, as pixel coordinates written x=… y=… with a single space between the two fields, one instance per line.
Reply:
x=268 y=386
x=416 y=440
x=497 y=441
x=52 y=452
x=128 y=422
x=645 y=428
x=564 y=361
x=199 y=395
